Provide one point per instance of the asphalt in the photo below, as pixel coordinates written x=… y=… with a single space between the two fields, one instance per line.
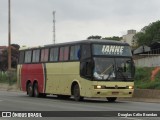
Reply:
x=140 y=95
x=19 y=101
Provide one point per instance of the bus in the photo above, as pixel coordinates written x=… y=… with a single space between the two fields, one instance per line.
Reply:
x=87 y=68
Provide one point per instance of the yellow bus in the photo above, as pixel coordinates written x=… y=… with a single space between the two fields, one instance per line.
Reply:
x=87 y=68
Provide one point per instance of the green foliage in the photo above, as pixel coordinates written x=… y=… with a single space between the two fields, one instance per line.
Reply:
x=117 y=38
x=148 y=34
x=14 y=57
x=148 y=84
x=143 y=79
x=9 y=79
x=94 y=37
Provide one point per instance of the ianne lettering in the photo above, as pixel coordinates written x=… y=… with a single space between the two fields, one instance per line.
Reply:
x=112 y=49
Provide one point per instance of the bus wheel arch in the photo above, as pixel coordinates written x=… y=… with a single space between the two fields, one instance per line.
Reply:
x=75 y=91
x=29 y=88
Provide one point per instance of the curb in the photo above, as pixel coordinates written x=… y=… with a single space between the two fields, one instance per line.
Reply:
x=147 y=100
x=146 y=93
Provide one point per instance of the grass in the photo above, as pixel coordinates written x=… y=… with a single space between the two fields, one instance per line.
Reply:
x=8 y=78
x=143 y=79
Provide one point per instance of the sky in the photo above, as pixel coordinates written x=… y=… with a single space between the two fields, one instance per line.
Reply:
x=32 y=20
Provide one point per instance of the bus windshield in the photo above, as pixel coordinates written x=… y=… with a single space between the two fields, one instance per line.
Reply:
x=111 y=50
x=112 y=69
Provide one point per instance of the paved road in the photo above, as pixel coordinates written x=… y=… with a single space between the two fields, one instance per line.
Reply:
x=19 y=101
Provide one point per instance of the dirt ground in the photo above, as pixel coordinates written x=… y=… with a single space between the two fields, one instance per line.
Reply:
x=4 y=86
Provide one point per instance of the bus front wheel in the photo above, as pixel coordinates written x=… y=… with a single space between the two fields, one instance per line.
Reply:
x=111 y=99
x=30 y=90
x=76 y=93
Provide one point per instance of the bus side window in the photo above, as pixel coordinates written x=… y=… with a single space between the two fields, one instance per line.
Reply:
x=21 y=57
x=53 y=54
x=86 y=52
x=28 y=55
x=64 y=53
x=35 y=57
x=74 y=52
x=44 y=55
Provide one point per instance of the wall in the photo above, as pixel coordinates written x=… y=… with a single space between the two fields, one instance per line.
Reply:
x=148 y=61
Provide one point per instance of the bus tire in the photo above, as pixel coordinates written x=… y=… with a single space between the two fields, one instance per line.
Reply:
x=111 y=99
x=35 y=90
x=30 y=90
x=76 y=93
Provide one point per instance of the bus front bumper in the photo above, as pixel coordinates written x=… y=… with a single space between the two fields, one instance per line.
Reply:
x=112 y=93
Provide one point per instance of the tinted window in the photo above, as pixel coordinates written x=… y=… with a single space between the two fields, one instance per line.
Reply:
x=64 y=53
x=75 y=52
x=44 y=55
x=36 y=54
x=61 y=54
x=54 y=54
x=21 y=57
x=28 y=56
x=86 y=51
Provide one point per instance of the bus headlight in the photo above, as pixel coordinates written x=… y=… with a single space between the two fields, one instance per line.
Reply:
x=99 y=87
x=130 y=87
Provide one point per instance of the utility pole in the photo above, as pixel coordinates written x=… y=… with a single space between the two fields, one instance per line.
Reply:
x=9 y=35
x=54 y=29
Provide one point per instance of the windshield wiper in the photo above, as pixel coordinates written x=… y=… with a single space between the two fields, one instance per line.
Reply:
x=106 y=69
x=111 y=73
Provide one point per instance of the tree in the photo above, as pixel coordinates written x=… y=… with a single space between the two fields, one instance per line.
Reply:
x=14 y=57
x=117 y=38
x=148 y=34
x=94 y=37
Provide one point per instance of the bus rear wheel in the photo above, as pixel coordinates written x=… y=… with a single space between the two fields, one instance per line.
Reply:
x=111 y=99
x=30 y=90
x=76 y=93
x=36 y=91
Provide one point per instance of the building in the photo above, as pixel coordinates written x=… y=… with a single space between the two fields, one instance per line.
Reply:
x=147 y=56
x=129 y=37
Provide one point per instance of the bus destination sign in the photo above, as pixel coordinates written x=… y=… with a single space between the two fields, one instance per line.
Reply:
x=112 y=49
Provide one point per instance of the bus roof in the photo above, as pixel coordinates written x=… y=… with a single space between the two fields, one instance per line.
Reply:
x=91 y=41
x=100 y=41
x=33 y=47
